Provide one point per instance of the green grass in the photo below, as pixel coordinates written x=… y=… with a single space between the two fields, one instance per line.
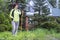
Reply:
x=38 y=34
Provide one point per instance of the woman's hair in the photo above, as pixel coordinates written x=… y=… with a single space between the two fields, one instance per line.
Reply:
x=14 y=5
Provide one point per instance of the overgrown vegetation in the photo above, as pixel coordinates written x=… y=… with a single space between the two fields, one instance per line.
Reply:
x=42 y=20
x=5 y=22
x=37 y=34
x=47 y=22
x=45 y=27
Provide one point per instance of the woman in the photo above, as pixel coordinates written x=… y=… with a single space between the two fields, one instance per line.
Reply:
x=14 y=15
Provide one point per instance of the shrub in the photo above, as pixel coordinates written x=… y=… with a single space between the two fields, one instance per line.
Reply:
x=2 y=18
x=4 y=27
x=51 y=18
x=49 y=25
x=58 y=28
x=5 y=24
x=58 y=20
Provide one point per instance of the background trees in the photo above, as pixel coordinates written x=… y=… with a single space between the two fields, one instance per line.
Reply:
x=41 y=19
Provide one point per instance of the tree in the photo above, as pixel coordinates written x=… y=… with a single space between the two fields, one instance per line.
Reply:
x=41 y=17
x=53 y=3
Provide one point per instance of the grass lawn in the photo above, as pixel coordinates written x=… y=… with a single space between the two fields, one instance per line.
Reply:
x=38 y=34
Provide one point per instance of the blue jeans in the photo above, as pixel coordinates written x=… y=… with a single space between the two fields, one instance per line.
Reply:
x=15 y=27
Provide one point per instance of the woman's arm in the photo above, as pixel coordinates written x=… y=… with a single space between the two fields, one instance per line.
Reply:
x=11 y=13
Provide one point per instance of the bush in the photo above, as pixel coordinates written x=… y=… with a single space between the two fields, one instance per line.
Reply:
x=2 y=18
x=49 y=25
x=4 y=27
x=58 y=20
x=5 y=23
x=58 y=28
x=51 y=18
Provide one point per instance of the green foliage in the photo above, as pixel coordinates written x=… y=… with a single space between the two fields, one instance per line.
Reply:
x=38 y=34
x=47 y=22
x=21 y=1
x=40 y=18
x=4 y=6
x=58 y=19
x=5 y=24
x=2 y=18
x=4 y=27
x=51 y=18
x=53 y=2
x=58 y=29
x=49 y=25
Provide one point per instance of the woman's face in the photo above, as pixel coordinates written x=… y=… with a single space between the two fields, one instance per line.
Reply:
x=16 y=6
